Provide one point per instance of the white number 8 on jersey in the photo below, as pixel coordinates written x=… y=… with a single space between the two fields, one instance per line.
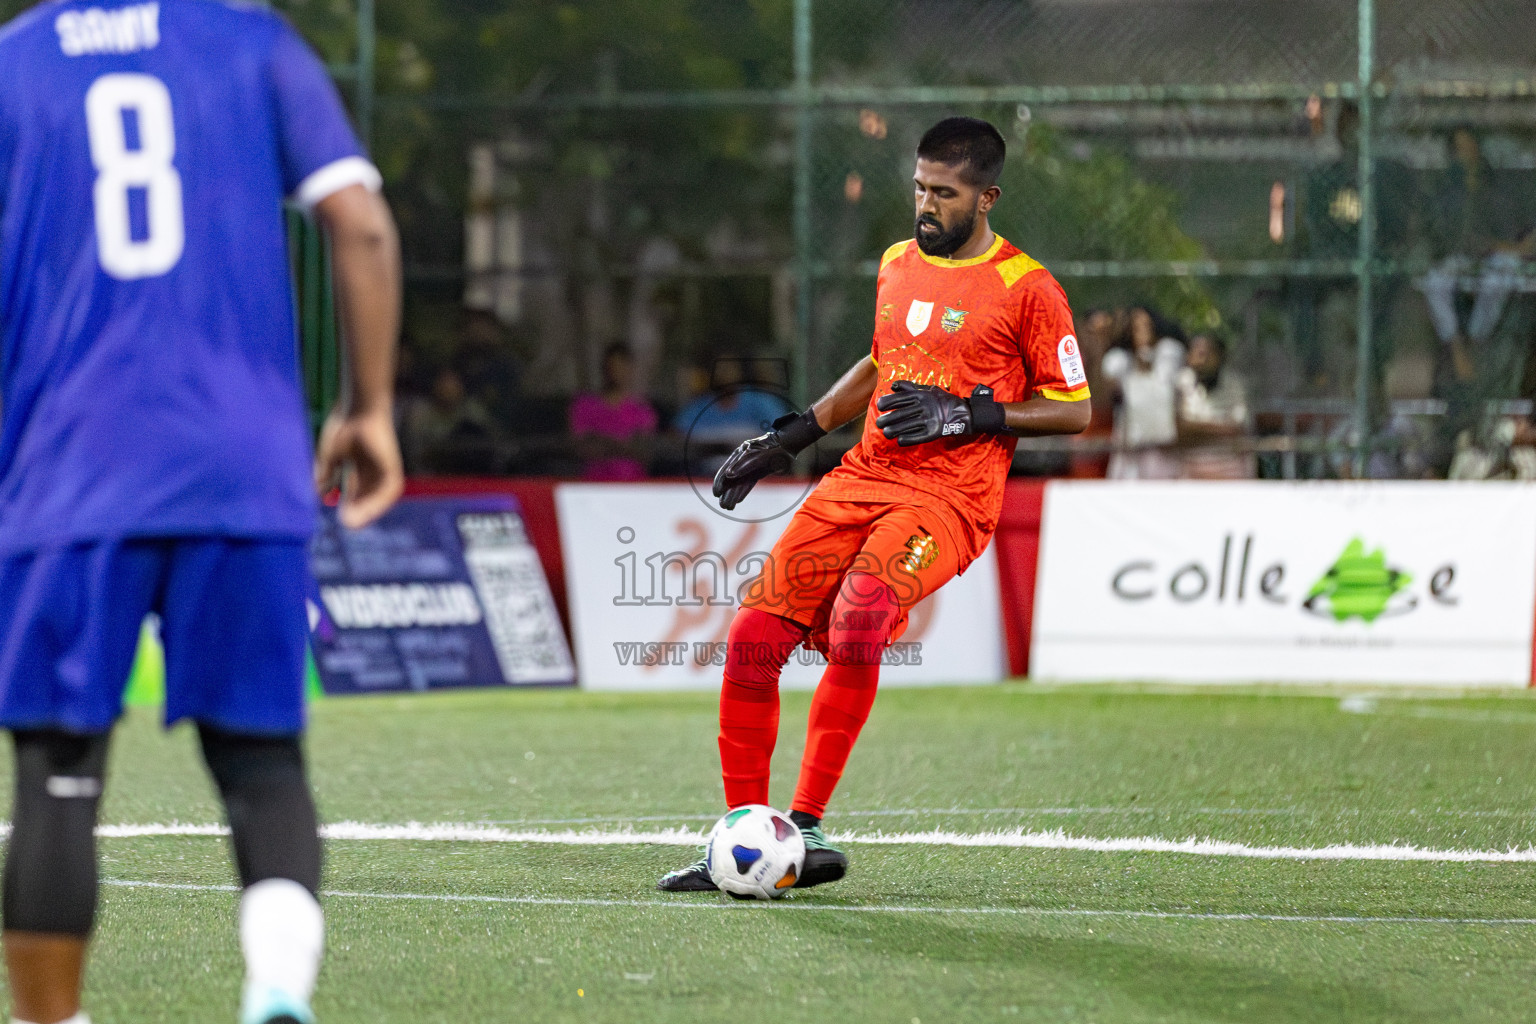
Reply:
x=147 y=166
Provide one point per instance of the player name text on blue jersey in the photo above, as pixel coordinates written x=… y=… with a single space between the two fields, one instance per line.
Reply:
x=95 y=31
x=149 y=370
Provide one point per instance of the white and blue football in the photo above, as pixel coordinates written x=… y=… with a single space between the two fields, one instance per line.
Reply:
x=755 y=853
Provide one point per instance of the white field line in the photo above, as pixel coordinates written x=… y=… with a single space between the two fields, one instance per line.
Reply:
x=1025 y=812
x=1018 y=839
x=1372 y=706
x=719 y=905
x=930 y=812
x=143 y=831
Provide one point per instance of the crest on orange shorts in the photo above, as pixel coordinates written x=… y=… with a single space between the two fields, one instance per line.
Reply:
x=922 y=551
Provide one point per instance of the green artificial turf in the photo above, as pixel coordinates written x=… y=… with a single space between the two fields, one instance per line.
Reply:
x=916 y=932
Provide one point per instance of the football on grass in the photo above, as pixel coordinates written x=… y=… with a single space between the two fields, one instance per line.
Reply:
x=755 y=853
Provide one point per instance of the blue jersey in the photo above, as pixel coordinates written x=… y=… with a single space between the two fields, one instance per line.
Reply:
x=149 y=381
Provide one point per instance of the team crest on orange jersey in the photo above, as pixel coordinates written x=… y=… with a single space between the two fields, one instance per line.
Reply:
x=922 y=551
x=953 y=319
x=918 y=316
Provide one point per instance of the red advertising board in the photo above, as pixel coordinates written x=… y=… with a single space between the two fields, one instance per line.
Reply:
x=1018 y=555
x=1017 y=541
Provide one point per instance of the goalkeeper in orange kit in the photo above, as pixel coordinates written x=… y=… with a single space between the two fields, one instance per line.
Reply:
x=973 y=347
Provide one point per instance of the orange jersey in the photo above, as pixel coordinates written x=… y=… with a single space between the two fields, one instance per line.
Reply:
x=999 y=319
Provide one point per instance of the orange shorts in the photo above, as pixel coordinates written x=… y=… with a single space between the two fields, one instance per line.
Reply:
x=910 y=547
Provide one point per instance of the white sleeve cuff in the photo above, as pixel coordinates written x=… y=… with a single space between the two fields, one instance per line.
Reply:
x=333 y=177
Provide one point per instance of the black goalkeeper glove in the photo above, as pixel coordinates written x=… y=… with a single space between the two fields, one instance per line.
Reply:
x=773 y=452
x=919 y=413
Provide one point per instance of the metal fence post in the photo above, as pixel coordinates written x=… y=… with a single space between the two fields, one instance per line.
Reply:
x=367 y=46
x=802 y=204
x=1364 y=320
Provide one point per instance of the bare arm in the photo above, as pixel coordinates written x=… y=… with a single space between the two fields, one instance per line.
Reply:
x=1044 y=417
x=849 y=397
x=366 y=253
x=358 y=449
x=1198 y=430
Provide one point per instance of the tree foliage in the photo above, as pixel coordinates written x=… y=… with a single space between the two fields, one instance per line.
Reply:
x=1090 y=205
x=686 y=172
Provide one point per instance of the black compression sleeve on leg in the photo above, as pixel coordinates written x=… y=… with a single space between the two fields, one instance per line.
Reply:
x=272 y=819
x=50 y=864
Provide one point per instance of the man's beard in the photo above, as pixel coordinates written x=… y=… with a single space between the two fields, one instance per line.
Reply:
x=945 y=243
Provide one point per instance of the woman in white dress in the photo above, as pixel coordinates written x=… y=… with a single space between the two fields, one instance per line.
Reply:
x=1146 y=424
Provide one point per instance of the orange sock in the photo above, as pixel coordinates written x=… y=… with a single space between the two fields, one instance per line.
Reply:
x=862 y=619
x=758 y=646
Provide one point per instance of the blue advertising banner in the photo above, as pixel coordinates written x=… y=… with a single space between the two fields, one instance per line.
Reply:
x=439 y=593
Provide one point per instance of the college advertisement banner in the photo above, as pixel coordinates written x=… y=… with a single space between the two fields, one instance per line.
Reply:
x=1380 y=582
x=440 y=592
x=653 y=572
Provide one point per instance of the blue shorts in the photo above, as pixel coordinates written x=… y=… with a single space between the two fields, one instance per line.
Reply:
x=232 y=619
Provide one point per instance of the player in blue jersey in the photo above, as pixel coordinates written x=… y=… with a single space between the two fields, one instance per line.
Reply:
x=155 y=456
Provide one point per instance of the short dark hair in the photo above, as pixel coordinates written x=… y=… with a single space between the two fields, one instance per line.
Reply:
x=1216 y=340
x=969 y=142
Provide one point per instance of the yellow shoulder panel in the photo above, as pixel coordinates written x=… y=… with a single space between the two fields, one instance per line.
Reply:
x=893 y=252
x=1016 y=267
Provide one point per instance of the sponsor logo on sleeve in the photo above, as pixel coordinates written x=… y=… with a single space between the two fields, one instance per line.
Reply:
x=1071 y=359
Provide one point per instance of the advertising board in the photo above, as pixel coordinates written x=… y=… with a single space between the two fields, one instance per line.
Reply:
x=440 y=592
x=1319 y=582
x=653 y=574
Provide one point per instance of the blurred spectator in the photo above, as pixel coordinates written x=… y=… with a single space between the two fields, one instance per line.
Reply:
x=1478 y=230
x=1330 y=209
x=449 y=432
x=1501 y=448
x=733 y=410
x=1522 y=451
x=1402 y=447
x=1143 y=378
x=410 y=391
x=1096 y=333
x=613 y=429
x=1213 y=414
x=487 y=366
